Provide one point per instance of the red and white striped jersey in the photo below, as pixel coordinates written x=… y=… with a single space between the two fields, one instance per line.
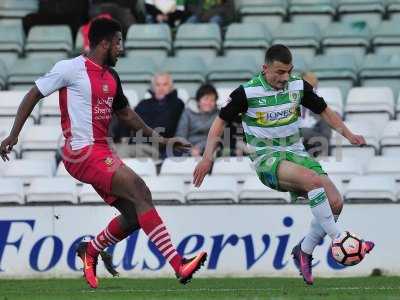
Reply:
x=88 y=94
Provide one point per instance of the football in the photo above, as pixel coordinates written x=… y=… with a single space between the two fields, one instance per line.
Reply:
x=348 y=249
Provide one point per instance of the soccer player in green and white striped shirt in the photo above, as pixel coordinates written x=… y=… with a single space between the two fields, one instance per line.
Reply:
x=269 y=106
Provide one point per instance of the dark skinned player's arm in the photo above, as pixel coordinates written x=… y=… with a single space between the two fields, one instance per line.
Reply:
x=133 y=121
x=24 y=110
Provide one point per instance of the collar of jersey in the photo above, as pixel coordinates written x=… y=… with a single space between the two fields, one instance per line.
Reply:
x=264 y=83
x=93 y=63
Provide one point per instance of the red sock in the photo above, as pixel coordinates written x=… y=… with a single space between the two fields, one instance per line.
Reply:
x=156 y=231
x=111 y=235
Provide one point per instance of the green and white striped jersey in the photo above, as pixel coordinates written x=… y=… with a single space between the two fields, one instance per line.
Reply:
x=271 y=118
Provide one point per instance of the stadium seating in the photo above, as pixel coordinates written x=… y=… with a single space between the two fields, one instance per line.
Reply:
x=270 y=12
x=335 y=71
x=254 y=192
x=3 y=75
x=343 y=38
x=88 y=195
x=179 y=167
x=332 y=96
x=188 y=72
x=390 y=139
x=202 y=40
x=136 y=73
x=353 y=45
x=342 y=167
x=247 y=39
x=49 y=41
x=141 y=166
x=166 y=190
x=12 y=191
x=367 y=11
x=223 y=95
x=302 y=38
x=41 y=141
x=237 y=167
x=214 y=190
x=381 y=166
x=393 y=9
x=149 y=40
x=370 y=104
x=232 y=70
x=371 y=189
x=11 y=43
x=10 y=100
x=24 y=72
x=50 y=110
x=52 y=191
x=17 y=9
x=381 y=70
x=340 y=146
x=386 y=39
x=28 y=169
x=320 y=12
x=300 y=65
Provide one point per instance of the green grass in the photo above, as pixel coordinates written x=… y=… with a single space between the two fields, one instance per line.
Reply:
x=210 y=288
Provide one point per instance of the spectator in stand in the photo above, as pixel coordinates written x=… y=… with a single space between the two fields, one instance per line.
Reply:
x=161 y=112
x=73 y=13
x=170 y=12
x=194 y=125
x=126 y=12
x=315 y=131
x=220 y=12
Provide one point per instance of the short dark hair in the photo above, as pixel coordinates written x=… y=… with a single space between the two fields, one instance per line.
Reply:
x=102 y=28
x=279 y=53
x=206 y=89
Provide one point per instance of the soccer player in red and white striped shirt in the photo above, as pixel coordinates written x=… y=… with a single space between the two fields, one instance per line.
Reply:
x=89 y=93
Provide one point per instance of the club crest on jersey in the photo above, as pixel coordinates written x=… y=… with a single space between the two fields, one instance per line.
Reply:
x=105 y=88
x=294 y=96
x=109 y=161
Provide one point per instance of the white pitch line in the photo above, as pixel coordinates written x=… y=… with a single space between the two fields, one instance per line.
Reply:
x=234 y=290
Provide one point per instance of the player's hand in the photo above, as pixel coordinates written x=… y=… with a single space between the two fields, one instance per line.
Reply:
x=201 y=170
x=357 y=140
x=6 y=146
x=179 y=143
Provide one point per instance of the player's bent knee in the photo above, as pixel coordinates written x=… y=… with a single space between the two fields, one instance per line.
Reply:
x=141 y=190
x=312 y=181
x=336 y=205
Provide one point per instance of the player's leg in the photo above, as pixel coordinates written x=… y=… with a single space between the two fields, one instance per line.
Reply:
x=316 y=232
x=118 y=229
x=294 y=177
x=128 y=185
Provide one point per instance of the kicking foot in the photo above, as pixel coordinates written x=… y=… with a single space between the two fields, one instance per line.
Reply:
x=190 y=266
x=369 y=246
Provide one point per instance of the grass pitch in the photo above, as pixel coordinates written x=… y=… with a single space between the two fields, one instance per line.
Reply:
x=210 y=288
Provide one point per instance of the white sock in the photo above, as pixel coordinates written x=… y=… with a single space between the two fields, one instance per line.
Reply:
x=322 y=212
x=314 y=236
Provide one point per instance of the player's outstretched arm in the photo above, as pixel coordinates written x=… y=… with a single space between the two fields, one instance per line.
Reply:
x=204 y=166
x=334 y=120
x=133 y=121
x=24 y=110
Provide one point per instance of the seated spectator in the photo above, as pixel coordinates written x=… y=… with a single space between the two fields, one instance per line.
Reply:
x=194 y=125
x=316 y=132
x=161 y=112
x=220 y=12
x=73 y=13
x=126 y=12
x=170 y=12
